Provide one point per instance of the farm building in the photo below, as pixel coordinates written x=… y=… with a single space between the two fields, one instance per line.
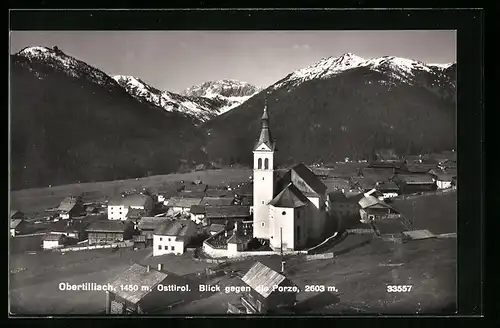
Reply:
x=394 y=166
x=70 y=207
x=363 y=184
x=217 y=201
x=52 y=241
x=413 y=183
x=377 y=174
x=344 y=209
x=239 y=239
x=264 y=296
x=372 y=209
x=147 y=226
x=388 y=189
x=215 y=228
x=182 y=204
x=17 y=223
x=108 y=231
x=119 y=207
x=223 y=214
x=172 y=237
x=73 y=228
x=136 y=291
x=197 y=213
x=337 y=184
x=442 y=178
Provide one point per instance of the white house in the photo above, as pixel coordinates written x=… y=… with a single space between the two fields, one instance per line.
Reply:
x=70 y=207
x=182 y=204
x=119 y=207
x=197 y=213
x=295 y=208
x=172 y=237
x=51 y=241
x=442 y=178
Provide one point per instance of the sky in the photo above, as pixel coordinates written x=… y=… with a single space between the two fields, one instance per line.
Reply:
x=176 y=60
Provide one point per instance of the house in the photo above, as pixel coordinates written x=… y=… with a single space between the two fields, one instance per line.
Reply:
x=373 y=209
x=215 y=228
x=442 y=178
x=139 y=290
x=18 y=224
x=73 y=229
x=103 y=232
x=413 y=183
x=344 y=208
x=270 y=292
x=172 y=237
x=223 y=214
x=363 y=184
x=197 y=213
x=119 y=207
x=217 y=201
x=334 y=184
x=70 y=207
x=51 y=241
x=239 y=239
x=147 y=226
x=182 y=204
x=377 y=174
x=389 y=189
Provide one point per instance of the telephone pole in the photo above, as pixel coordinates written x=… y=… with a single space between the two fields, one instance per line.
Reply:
x=281 y=251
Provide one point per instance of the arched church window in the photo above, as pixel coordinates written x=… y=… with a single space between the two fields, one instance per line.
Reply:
x=259 y=163
x=266 y=164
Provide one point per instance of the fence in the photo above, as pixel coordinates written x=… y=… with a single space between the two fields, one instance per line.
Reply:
x=92 y=247
x=320 y=256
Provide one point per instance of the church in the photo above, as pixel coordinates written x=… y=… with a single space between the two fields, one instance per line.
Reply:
x=290 y=213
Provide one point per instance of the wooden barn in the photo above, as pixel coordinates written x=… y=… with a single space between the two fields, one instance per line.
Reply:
x=226 y=214
x=102 y=232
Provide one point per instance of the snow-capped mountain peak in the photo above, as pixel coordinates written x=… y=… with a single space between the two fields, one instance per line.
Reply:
x=396 y=68
x=56 y=58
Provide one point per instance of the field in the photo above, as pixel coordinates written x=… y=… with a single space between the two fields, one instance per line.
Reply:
x=37 y=200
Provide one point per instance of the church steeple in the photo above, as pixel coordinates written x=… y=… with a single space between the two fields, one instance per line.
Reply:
x=265 y=132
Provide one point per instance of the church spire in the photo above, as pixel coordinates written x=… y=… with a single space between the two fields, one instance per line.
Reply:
x=265 y=133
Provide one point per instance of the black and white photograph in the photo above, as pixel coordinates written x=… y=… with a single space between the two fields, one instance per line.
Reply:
x=250 y=172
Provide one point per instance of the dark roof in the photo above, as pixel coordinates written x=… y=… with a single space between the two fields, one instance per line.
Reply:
x=135 y=213
x=176 y=228
x=265 y=133
x=442 y=175
x=262 y=279
x=216 y=201
x=151 y=223
x=137 y=275
x=237 y=237
x=416 y=178
x=337 y=183
x=231 y=211
x=195 y=188
x=67 y=204
x=197 y=209
x=290 y=197
x=387 y=186
x=219 y=193
x=191 y=194
x=14 y=212
x=53 y=237
x=387 y=164
x=377 y=174
x=107 y=226
x=214 y=227
x=307 y=176
x=337 y=196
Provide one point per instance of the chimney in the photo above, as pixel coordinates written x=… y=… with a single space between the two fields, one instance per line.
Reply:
x=148 y=267
x=160 y=266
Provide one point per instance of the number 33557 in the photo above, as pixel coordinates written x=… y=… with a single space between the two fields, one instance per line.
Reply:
x=399 y=288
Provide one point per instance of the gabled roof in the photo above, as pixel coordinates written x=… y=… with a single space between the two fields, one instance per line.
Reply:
x=368 y=201
x=135 y=213
x=231 y=211
x=416 y=178
x=53 y=237
x=67 y=204
x=388 y=186
x=387 y=164
x=175 y=228
x=107 y=226
x=262 y=279
x=290 y=197
x=216 y=201
x=14 y=212
x=183 y=202
x=137 y=275
x=197 y=209
x=15 y=222
x=151 y=223
x=307 y=177
x=214 y=227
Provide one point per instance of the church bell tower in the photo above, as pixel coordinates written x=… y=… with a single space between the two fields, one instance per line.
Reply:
x=263 y=179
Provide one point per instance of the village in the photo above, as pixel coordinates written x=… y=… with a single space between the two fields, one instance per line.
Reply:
x=250 y=239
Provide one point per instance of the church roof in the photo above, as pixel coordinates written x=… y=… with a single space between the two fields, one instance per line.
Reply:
x=265 y=133
x=290 y=197
x=307 y=176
